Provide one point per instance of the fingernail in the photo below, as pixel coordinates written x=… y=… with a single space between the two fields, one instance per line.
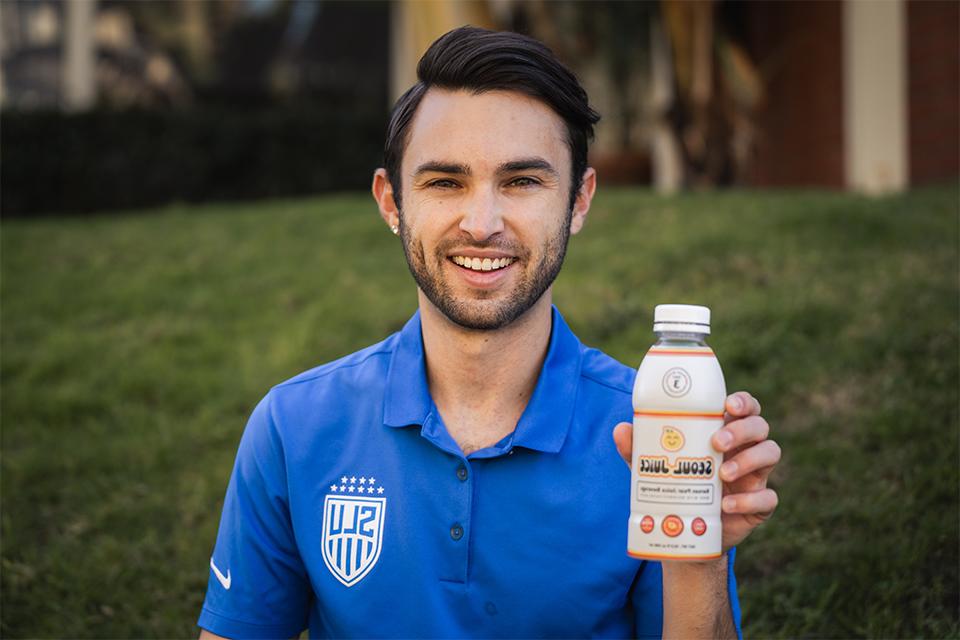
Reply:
x=736 y=403
x=724 y=438
x=728 y=469
x=729 y=504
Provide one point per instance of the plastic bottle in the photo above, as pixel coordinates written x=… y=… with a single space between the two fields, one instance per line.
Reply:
x=678 y=401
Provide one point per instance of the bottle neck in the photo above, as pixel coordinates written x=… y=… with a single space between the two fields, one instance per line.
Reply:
x=680 y=339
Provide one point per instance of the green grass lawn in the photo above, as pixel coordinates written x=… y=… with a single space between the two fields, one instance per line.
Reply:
x=133 y=349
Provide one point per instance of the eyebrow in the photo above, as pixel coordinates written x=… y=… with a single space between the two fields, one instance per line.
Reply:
x=442 y=167
x=524 y=164
x=528 y=164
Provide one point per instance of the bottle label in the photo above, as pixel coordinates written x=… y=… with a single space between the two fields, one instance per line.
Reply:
x=668 y=470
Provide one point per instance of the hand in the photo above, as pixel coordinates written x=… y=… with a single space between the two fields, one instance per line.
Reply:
x=748 y=456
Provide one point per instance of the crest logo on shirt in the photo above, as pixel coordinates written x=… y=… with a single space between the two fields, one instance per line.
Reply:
x=353 y=528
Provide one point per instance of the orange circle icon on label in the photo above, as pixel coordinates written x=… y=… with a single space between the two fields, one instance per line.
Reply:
x=646 y=525
x=672 y=526
x=671 y=439
x=698 y=526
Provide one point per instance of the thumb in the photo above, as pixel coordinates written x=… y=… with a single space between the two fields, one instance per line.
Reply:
x=623 y=438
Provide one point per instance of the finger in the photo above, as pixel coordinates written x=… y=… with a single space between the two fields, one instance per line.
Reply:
x=761 y=503
x=623 y=438
x=741 y=404
x=740 y=432
x=763 y=455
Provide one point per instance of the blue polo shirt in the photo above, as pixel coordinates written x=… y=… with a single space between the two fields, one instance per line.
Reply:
x=352 y=511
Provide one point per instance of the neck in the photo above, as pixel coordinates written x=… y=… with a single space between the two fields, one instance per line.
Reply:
x=481 y=381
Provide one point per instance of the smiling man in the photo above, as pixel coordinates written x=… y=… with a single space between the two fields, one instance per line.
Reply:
x=459 y=479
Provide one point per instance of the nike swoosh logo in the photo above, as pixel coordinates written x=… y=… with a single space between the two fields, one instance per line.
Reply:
x=224 y=580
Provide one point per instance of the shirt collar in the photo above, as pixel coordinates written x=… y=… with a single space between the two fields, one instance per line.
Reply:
x=547 y=417
x=407 y=400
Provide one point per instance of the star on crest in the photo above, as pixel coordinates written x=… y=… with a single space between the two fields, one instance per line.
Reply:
x=350 y=485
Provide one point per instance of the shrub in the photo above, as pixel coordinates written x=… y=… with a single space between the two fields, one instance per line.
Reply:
x=109 y=160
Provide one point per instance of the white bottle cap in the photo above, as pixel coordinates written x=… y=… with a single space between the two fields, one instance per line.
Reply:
x=685 y=318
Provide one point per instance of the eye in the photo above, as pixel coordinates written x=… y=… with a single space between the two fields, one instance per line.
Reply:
x=523 y=181
x=443 y=183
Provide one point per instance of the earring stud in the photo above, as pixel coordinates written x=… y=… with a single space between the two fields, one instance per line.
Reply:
x=395 y=229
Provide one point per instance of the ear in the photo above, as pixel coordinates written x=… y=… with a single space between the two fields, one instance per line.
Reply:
x=584 y=196
x=383 y=193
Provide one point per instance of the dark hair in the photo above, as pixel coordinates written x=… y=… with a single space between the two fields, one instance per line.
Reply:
x=480 y=60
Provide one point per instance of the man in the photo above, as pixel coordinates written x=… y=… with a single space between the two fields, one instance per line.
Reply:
x=459 y=478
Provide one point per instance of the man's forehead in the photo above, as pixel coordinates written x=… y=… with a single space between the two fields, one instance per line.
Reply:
x=489 y=127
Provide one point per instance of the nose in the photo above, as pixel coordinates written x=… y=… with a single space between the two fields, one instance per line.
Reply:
x=482 y=217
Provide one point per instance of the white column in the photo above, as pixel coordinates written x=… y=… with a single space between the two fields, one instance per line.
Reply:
x=415 y=24
x=665 y=154
x=402 y=66
x=79 y=55
x=875 y=95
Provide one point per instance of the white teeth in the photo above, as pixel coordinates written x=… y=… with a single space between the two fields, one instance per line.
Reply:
x=484 y=264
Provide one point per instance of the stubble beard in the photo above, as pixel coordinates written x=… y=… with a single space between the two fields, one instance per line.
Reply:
x=486 y=311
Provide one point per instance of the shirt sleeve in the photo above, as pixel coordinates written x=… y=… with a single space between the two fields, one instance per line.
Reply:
x=258 y=586
x=647 y=599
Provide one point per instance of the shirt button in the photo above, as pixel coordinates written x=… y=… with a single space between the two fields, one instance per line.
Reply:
x=456 y=532
x=462 y=473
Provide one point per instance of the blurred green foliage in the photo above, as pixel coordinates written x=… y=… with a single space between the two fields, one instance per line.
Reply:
x=110 y=160
x=133 y=349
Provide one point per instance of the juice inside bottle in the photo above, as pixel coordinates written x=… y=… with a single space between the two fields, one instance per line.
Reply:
x=678 y=401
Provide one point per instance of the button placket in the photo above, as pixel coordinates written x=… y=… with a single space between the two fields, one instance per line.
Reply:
x=456 y=549
x=456 y=529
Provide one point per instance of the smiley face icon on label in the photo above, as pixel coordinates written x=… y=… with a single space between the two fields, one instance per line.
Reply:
x=671 y=439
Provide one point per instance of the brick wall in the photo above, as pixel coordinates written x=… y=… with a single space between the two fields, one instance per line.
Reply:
x=933 y=85
x=798 y=46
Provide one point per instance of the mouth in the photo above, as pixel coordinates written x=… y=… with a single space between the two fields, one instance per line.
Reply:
x=475 y=263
